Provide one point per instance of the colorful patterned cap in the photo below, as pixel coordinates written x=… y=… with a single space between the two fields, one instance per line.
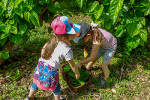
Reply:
x=63 y=25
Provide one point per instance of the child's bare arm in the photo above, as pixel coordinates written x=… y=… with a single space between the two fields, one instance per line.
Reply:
x=94 y=51
x=74 y=68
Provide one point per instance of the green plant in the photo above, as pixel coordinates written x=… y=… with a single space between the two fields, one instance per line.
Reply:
x=84 y=75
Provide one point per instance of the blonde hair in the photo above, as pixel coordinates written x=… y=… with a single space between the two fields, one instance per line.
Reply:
x=50 y=45
x=98 y=33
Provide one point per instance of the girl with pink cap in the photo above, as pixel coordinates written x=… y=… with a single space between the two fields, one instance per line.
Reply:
x=54 y=51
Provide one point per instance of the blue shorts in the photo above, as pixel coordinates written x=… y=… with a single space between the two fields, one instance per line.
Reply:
x=107 y=54
x=55 y=92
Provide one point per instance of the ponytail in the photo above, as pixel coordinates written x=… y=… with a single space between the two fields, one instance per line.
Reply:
x=99 y=35
x=49 y=47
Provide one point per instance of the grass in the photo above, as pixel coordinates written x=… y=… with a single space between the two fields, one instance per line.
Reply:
x=129 y=72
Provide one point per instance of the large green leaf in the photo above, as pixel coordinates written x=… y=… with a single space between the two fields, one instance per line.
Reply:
x=35 y=18
x=133 y=28
x=106 y=2
x=98 y=11
x=143 y=34
x=132 y=43
x=5 y=3
x=25 y=37
x=1 y=8
x=46 y=1
x=3 y=41
x=17 y=2
x=115 y=7
x=142 y=20
x=50 y=6
x=14 y=38
x=131 y=2
x=6 y=55
x=5 y=28
x=119 y=32
x=4 y=35
x=9 y=9
x=22 y=28
x=14 y=30
x=93 y=6
x=107 y=24
x=147 y=11
x=27 y=16
x=37 y=9
x=80 y=3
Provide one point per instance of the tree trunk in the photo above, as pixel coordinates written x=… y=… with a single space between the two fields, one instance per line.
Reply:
x=8 y=47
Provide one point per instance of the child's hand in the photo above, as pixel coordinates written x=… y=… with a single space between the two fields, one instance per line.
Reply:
x=77 y=76
x=79 y=65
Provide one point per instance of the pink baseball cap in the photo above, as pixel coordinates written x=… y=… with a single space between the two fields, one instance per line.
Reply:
x=63 y=25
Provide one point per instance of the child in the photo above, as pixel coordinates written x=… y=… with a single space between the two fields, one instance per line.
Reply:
x=55 y=50
x=104 y=44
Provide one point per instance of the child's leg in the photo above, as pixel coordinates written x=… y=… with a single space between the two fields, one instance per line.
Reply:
x=57 y=93
x=105 y=69
x=33 y=90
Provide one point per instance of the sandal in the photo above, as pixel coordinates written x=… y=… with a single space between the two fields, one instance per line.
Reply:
x=27 y=98
x=102 y=83
x=62 y=97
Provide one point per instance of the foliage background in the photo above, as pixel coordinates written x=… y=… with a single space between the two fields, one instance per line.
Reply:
x=127 y=20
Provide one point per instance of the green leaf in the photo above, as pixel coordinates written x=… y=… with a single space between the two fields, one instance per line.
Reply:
x=107 y=24
x=25 y=37
x=143 y=34
x=5 y=28
x=19 y=10
x=125 y=7
x=106 y=2
x=35 y=18
x=17 y=2
x=1 y=54
x=14 y=30
x=6 y=55
x=142 y=20
x=27 y=16
x=4 y=35
x=12 y=21
x=14 y=38
x=131 y=2
x=5 y=3
x=119 y=32
x=80 y=3
x=141 y=42
x=46 y=1
x=37 y=9
x=132 y=43
x=50 y=6
x=22 y=28
x=93 y=6
x=115 y=7
x=9 y=9
x=98 y=11
x=133 y=28
x=3 y=41
x=1 y=8
x=147 y=11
